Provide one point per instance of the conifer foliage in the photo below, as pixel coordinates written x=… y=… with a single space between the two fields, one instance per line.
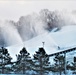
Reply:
x=23 y=63
x=5 y=61
x=59 y=63
x=41 y=62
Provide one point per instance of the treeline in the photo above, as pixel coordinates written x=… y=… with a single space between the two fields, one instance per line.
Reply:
x=39 y=64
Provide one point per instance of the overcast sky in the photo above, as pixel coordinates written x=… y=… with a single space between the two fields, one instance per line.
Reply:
x=12 y=10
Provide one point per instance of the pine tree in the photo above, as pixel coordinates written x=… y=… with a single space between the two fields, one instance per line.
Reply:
x=59 y=63
x=72 y=67
x=41 y=62
x=24 y=61
x=5 y=61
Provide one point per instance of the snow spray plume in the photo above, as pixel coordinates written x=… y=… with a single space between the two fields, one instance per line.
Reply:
x=9 y=34
x=30 y=26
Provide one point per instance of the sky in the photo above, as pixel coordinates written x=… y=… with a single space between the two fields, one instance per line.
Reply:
x=14 y=9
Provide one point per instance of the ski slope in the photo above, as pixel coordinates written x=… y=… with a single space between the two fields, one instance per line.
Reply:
x=64 y=38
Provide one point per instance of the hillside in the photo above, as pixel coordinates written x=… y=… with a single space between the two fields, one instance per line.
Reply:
x=64 y=38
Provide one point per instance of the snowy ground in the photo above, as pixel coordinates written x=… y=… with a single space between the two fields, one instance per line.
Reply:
x=65 y=38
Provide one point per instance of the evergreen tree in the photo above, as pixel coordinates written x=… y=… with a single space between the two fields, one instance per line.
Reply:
x=41 y=62
x=72 y=66
x=23 y=63
x=5 y=61
x=59 y=63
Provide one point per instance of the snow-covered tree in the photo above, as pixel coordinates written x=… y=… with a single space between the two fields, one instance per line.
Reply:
x=72 y=66
x=23 y=63
x=59 y=63
x=5 y=61
x=41 y=62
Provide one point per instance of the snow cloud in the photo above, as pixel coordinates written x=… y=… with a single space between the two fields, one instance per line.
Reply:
x=33 y=25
